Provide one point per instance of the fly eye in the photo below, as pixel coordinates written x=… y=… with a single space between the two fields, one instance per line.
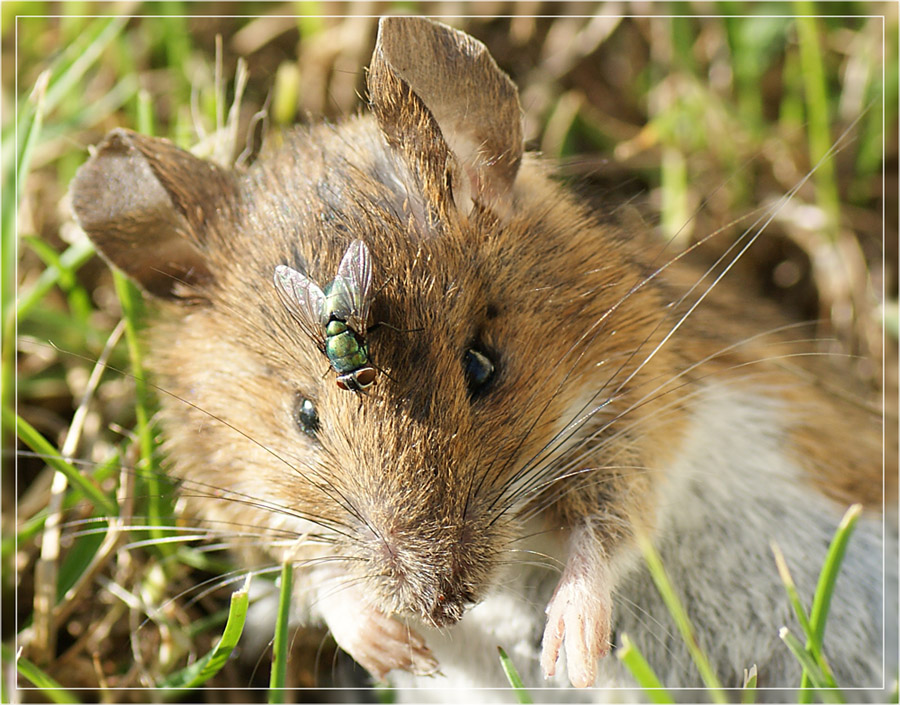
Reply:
x=306 y=417
x=479 y=370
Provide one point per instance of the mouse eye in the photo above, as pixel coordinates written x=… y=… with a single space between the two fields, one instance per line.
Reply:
x=305 y=416
x=479 y=370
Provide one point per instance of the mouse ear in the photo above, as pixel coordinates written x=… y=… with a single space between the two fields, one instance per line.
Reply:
x=440 y=99
x=150 y=207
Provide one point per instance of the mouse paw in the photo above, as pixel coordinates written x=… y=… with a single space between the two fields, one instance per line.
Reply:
x=579 y=618
x=379 y=643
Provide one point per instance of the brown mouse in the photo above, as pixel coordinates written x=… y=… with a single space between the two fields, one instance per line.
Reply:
x=546 y=385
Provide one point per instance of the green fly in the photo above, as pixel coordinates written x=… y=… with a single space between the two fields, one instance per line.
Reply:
x=335 y=318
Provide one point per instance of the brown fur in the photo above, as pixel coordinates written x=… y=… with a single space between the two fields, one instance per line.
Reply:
x=409 y=484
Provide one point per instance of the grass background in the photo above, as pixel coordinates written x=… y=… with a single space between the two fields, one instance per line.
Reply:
x=694 y=119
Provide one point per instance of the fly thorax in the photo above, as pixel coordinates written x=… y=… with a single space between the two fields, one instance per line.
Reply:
x=335 y=328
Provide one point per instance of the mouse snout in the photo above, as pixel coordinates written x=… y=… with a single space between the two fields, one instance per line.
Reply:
x=434 y=590
x=448 y=607
x=423 y=574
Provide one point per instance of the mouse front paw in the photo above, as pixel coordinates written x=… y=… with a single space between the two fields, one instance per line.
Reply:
x=579 y=618
x=379 y=643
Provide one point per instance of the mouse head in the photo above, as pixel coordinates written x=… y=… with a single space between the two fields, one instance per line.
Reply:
x=497 y=310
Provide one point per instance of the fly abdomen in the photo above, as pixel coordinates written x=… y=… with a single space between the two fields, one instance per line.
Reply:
x=335 y=319
x=345 y=351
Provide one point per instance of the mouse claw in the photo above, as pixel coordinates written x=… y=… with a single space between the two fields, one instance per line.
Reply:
x=380 y=643
x=579 y=619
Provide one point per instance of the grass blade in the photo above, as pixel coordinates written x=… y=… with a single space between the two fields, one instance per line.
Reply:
x=198 y=673
x=70 y=260
x=643 y=673
x=817 y=111
x=676 y=609
x=84 y=52
x=512 y=675
x=813 y=641
x=40 y=445
x=748 y=695
x=794 y=597
x=280 y=648
x=29 y=123
x=159 y=508
x=830 y=570
x=810 y=668
x=79 y=300
x=825 y=587
x=50 y=689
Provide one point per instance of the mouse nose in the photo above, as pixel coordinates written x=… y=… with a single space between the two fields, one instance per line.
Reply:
x=447 y=609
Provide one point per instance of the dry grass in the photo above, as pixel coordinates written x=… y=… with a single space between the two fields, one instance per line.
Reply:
x=695 y=121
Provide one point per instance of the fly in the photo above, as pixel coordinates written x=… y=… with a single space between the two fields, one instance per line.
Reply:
x=335 y=318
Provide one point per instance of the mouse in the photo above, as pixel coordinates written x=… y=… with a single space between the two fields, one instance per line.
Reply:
x=456 y=398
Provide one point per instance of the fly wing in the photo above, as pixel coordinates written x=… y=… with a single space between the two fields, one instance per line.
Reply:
x=350 y=289
x=304 y=300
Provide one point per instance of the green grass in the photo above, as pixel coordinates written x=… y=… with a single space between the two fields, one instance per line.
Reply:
x=278 y=679
x=205 y=668
x=681 y=618
x=642 y=672
x=86 y=441
x=811 y=657
x=512 y=675
x=58 y=311
x=818 y=112
x=49 y=687
x=48 y=453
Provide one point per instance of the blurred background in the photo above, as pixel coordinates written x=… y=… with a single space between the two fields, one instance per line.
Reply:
x=696 y=114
